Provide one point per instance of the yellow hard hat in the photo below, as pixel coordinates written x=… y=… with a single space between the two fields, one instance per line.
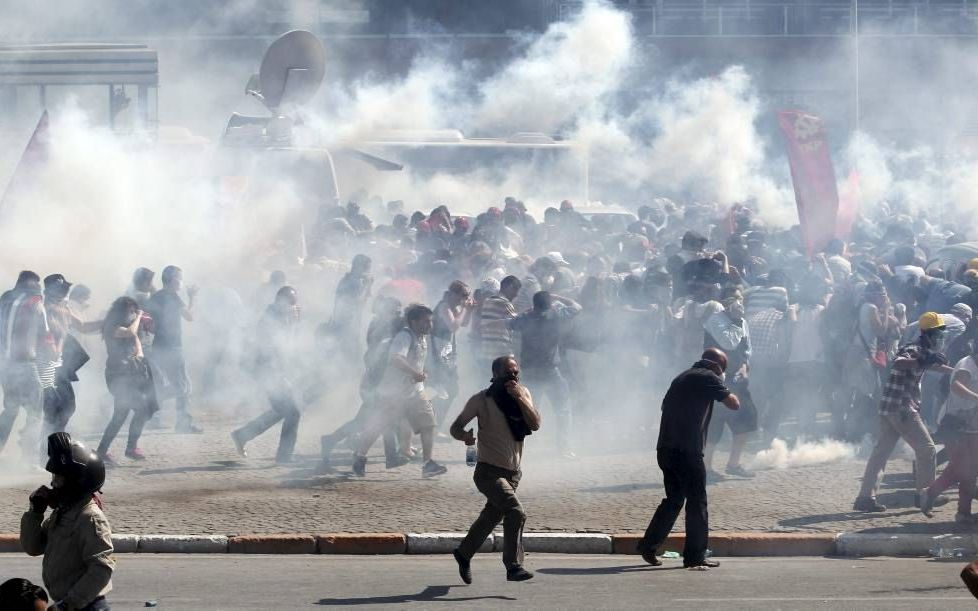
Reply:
x=931 y=320
x=973 y=263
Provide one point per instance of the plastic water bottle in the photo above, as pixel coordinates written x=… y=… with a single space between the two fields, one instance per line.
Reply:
x=470 y=455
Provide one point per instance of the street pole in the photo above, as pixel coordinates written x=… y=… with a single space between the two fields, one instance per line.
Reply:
x=855 y=24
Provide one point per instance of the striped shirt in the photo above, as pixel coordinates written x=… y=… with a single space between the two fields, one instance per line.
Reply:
x=495 y=336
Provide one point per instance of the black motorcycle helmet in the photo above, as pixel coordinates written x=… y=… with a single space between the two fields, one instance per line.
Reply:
x=82 y=469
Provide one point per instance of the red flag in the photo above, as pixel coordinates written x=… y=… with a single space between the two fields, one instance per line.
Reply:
x=816 y=194
x=35 y=154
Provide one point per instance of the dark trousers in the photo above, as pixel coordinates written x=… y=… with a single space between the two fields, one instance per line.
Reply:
x=283 y=409
x=176 y=382
x=685 y=481
x=499 y=487
x=119 y=414
x=59 y=405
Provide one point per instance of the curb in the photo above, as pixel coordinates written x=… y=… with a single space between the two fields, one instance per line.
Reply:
x=11 y=543
x=564 y=543
x=272 y=544
x=181 y=544
x=442 y=543
x=361 y=543
x=911 y=544
x=743 y=544
x=721 y=543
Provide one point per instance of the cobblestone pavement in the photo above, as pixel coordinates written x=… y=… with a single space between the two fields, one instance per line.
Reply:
x=197 y=484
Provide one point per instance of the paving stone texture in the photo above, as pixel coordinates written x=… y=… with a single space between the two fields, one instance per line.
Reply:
x=196 y=484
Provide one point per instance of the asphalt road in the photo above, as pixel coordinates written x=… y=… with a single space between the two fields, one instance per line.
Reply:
x=206 y=582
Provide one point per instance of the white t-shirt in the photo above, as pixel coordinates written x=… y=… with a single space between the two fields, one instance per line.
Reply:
x=396 y=382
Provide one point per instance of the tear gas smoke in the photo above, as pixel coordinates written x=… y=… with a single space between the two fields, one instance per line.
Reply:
x=802 y=454
x=104 y=205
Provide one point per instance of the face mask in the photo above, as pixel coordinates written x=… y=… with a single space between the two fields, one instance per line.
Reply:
x=130 y=318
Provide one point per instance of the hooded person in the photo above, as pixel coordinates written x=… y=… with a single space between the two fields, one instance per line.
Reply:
x=76 y=539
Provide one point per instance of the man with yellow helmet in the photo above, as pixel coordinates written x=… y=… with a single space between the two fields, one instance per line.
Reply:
x=899 y=413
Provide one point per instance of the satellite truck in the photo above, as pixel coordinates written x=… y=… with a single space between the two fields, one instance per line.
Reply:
x=291 y=73
x=120 y=82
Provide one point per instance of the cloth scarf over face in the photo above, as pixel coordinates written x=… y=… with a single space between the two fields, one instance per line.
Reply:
x=510 y=408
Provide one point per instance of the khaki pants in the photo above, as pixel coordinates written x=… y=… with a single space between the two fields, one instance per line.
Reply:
x=910 y=427
x=499 y=486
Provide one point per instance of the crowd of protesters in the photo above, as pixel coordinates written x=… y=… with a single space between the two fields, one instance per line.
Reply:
x=600 y=308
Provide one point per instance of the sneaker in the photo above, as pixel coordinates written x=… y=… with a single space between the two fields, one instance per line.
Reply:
x=396 y=461
x=648 y=555
x=965 y=519
x=108 y=459
x=188 y=428
x=431 y=469
x=464 y=567
x=239 y=444
x=739 y=471
x=868 y=504
x=359 y=465
x=135 y=454
x=518 y=573
x=927 y=503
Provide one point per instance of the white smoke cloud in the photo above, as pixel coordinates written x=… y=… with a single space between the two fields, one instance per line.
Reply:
x=802 y=454
x=101 y=202
x=565 y=75
x=695 y=139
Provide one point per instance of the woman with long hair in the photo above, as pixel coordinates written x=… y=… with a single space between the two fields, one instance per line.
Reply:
x=128 y=377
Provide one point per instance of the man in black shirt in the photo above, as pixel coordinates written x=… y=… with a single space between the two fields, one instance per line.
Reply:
x=168 y=312
x=686 y=411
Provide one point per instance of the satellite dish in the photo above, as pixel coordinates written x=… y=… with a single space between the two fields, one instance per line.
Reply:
x=291 y=71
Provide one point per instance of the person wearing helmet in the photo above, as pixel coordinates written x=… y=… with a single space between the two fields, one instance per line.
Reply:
x=686 y=412
x=899 y=414
x=76 y=539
